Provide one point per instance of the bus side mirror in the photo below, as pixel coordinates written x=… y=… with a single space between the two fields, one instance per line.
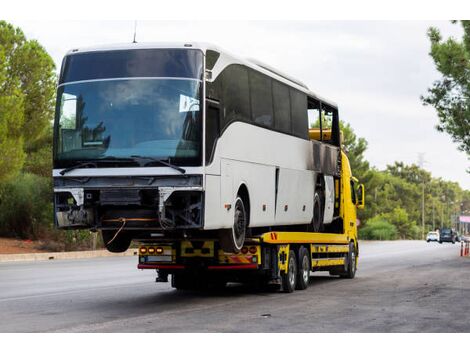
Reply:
x=361 y=196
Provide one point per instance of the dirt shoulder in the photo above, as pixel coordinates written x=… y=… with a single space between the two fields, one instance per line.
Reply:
x=14 y=246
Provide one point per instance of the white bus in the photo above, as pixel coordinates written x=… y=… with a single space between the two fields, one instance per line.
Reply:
x=187 y=140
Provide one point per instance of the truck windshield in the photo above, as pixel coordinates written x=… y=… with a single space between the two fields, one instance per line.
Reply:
x=122 y=113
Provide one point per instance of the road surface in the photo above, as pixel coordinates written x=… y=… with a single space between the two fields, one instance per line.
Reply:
x=403 y=286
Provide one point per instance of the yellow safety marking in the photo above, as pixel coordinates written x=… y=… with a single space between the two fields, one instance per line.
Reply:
x=283 y=258
x=318 y=262
x=329 y=248
x=240 y=258
x=206 y=251
x=304 y=237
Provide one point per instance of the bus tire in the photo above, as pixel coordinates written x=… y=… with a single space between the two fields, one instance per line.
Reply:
x=351 y=266
x=119 y=244
x=303 y=275
x=231 y=241
x=317 y=221
x=289 y=279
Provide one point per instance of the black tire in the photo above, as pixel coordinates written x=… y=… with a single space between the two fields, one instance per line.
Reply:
x=351 y=266
x=289 y=279
x=303 y=275
x=120 y=244
x=317 y=221
x=182 y=281
x=440 y=242
x=427 y=241
x=231 y=241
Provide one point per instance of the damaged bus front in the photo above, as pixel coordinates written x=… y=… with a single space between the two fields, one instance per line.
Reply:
x=128 y=142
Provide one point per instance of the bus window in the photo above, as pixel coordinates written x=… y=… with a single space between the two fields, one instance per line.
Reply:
x=281 y=103
x=327 y=117
x=313 y=113
x=235 y=97
x=261 y=99
x=211 y=58
x=299 y=113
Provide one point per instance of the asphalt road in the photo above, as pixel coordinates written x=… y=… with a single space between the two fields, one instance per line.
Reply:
x=404 y=286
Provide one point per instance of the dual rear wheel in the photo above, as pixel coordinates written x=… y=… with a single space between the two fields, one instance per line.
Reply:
x=298 y=271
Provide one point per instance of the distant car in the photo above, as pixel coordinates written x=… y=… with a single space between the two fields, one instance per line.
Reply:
x=432 y=236
x=447 y=235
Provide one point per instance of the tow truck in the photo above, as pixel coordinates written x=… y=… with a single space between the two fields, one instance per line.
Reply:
x=273 y=259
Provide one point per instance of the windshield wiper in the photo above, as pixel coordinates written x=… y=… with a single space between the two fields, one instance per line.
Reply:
x=141 y=161
x=76 y=166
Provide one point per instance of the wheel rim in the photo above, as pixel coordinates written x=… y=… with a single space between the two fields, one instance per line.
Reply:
x=305 y=269
x=239 y=226
x=291 y=272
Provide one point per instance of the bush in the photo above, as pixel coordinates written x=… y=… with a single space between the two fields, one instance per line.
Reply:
x=378 y=229
x=25 y=206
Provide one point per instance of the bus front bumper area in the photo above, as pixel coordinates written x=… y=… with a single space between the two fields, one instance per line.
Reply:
x=136 y=208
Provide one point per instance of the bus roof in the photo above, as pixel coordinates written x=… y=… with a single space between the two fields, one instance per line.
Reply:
x=203 y=46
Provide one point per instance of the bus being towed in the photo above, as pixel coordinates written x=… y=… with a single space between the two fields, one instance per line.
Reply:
x=186 y=141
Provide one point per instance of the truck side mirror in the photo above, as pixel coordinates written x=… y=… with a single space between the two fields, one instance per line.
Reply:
x=361 y=196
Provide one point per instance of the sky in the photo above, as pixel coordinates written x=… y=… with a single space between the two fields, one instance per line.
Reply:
x=375 y=71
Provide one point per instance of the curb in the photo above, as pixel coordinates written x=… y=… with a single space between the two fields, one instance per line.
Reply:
x=26 y=257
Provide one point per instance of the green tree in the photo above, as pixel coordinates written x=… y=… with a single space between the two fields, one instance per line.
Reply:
x=450 y=95
x=355 y=148
x=27 y=86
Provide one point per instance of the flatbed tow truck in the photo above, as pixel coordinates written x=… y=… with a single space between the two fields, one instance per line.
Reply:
x=273 y=259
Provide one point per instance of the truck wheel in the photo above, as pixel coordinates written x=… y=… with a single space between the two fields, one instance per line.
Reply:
x=350 y=270
x=289 y=279
x=119 y=244
x=182 y=281
x=317 y=222
x=304 y=269
x=231 y=241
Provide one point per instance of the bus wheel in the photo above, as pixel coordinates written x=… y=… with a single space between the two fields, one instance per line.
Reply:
x=317 y=222
x=350 y=270
x=289 y=279
x=232 y=241
x=116 y=244
x=303 y=276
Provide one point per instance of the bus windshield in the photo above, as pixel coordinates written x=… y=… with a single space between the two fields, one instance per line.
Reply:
x=117 y=117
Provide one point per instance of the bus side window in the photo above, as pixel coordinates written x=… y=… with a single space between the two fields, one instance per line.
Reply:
x=327 y=118
x=313 y=113
x=281 y=104
x=212 y=129
x=261 y=99
x=299 y=114
x=235 y=97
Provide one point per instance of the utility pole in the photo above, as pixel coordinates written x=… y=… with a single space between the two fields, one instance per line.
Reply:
x=421 y=163
x=433 y=217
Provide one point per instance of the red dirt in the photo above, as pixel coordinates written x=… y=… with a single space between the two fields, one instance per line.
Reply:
x=13 y=246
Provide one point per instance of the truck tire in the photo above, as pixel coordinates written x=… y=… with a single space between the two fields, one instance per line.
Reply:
x=289 y=279
x=119 y=244
x=303 y=275
x=231 y=241
x=182 y=281
x=350 y=270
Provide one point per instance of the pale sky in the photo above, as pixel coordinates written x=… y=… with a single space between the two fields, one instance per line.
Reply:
x=374 y=70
